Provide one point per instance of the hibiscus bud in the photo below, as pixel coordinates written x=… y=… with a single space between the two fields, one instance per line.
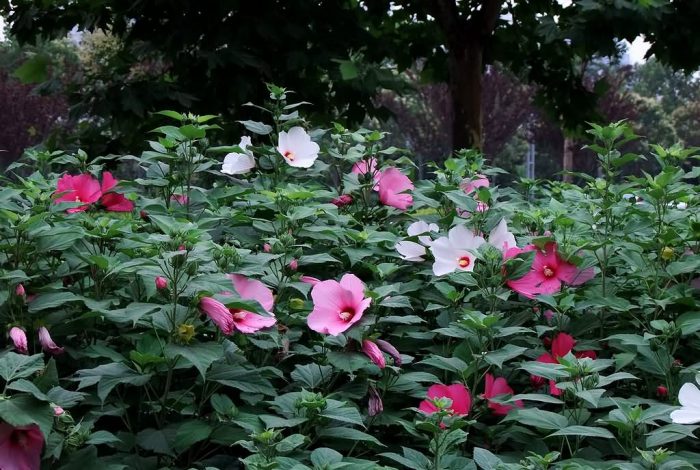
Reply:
x=667 y=253
x=144 y=216
x=536 y=381
x=293 y=264
x=58 y=411
x=375 y=405
x=389 y=348
x=267 y=248
x=547 y=341
x=19 y=290
x=47 y=343
x=185 y=332
x=181 y=248
x=161 y=283
x=372 y=351
x=19 y=338
x=662 y=391
x=342 y=200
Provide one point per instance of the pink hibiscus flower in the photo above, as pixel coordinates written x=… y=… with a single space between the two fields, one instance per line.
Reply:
x=20 y=447
x=458 y=393
x=19 y=339
x=47 y=342
x=337 y=305
x=230 y=319
x=113 y=202
x=548 y=272
x=562 y=344
x=391 y=186
x=470 y=185
x=80 y=188
x=495 y=387
x=363 y=166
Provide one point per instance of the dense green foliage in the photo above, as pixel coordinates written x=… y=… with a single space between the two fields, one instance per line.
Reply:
x=147 y=380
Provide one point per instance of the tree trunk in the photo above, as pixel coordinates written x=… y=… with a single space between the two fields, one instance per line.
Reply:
x=465 y=66
x=568 y=160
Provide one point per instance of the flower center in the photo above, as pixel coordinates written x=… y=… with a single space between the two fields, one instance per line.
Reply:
x=464 y=262
x=77 y=199
x=547 y=271
x=19 y=438
x=288 y=155
x=238 y=314
x=347 y=314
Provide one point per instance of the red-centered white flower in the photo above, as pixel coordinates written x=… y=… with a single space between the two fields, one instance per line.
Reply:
x=20 y=447
x=410 y=251
x=239 y=163
x=455 y=251
x=421 y=227
x=19 y=339
x=297 y=148
x=47 y=343
x=337 y=305
x=374 y=353
x=501 y=238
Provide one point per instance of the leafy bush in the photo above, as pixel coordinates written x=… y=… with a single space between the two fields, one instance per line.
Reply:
x=262 y=304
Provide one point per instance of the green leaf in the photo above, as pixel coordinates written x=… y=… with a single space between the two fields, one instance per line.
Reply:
x=201 y=355
x=452 y=364
x=349 y=434
x=16 y=366
x=584 y=431
x=34 y=70
x=290 y=443
x=506 y=353
x=103 y=437
x=108 y=376
x=339 y=411
x=323 y=456
x=540 y=397
x=537 y=418
x=346 y=361
x=541 y=369
x=312 y=375
x=51 y=300
x=257 y=127
x=485 y=459
x=23 y=410
x=670 y=433
x=190 y=433
x=171 y=114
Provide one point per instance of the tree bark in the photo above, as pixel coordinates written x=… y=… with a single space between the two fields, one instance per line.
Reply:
x=465 y=67
x=567 y=163
x=465 y=39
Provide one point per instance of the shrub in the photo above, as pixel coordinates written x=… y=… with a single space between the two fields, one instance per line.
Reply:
x=296 y=302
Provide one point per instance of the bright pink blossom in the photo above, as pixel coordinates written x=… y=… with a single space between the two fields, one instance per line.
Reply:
x=161 y=283
x=337 y=305
x=391 y=186
x=374 y=353
x=548 y=272
x=19 y=339
x=181 y=199
x=495 y=387
x=20 y=447
x=218 y=313
x=80 y=188
x=47 y=343
x=458 y=393
x=562 y=344
x=294 y=264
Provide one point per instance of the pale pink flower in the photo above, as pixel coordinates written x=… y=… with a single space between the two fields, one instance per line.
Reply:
x=470 y=185
x=58 y=411
x=20 y=447
x=47 y=343
x=297 y=148
x=374 y=353
x=391 y=186
x=19 y=339
x=218 y=313
x=239 y=163
x=498 y=387
x=337 y=305
x=161 y=283
x=309 y=280
x=455 y=252
x=458 y=393
x=363 y=166
x=501 y=238
x=267 y=248
x=252 y=289
x=410 y=251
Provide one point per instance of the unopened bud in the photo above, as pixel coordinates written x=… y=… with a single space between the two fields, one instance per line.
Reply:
x=161 y=283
